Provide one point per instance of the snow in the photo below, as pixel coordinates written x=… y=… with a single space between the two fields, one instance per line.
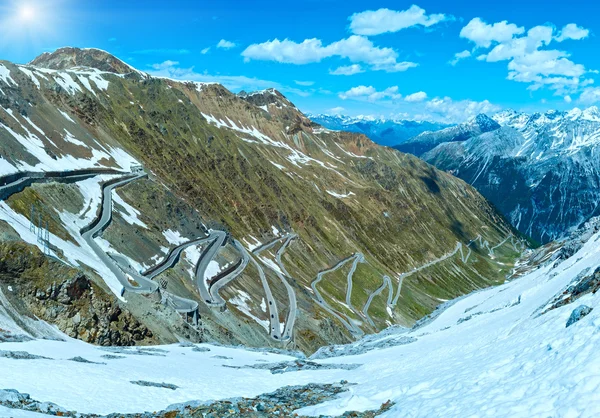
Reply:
x=30 y=74
x=174 y=237
x=254 y=245
x=271 y=264
x=67 y=82
x=67 y=117
x=212 y=270
x=241 y=302
x=279 y=166
x=76 y=254
x=70 y=138
x=192 y=254
x=295 y=157
x=122 y=158
x=5 y=76
x=340 y=195
x=17 y=413
x=6 y=167
x=490 y=353
x=129 y=213
x=34 y=145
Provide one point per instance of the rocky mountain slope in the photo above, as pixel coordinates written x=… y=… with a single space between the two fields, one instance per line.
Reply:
x=540 y=170
x=509 y=350
x=387 y=132
x=394 y=236
x=427 y=141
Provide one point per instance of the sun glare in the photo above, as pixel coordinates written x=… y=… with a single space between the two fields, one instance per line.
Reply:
x=27 y=24
x=26 y=13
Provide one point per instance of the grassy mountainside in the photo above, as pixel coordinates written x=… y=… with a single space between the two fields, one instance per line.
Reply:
x=255 y=164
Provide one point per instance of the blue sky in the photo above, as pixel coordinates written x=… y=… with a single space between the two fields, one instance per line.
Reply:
x=386 y=58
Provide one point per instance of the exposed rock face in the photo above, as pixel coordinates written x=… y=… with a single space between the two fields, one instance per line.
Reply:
x=67 y=58
x=75 y=309
x=65 y=297
x=578 y=313
x=281 y=403
x=541 y=170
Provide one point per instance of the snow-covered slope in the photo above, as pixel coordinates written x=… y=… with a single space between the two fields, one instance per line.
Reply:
x=541 y=170
x=503 y=352
x=383 y=131
x=426 y=141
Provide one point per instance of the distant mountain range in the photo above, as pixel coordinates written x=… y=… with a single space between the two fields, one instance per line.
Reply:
x=541 y=170
x=427 y=141
x=387 y=132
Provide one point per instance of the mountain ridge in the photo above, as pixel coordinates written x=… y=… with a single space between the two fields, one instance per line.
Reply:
x=383 y=131
x=261 y=175
x=539 y=169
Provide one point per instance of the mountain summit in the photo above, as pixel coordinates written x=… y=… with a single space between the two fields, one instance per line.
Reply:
x=539 y=169
x=69 y=58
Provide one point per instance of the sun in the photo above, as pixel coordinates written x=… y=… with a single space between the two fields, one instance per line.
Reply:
x=26 y=13
x=32 y=24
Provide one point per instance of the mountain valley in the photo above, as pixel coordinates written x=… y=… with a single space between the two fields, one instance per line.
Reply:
x=291 y=199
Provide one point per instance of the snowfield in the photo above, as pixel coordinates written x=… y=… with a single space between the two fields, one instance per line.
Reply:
x=491 y=353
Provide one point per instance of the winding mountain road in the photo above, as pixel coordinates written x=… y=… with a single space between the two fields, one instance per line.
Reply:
x=403 y=276
x=143 y=285
x=172 y=258
x=275 y=326
x=347 y=322
x=217 y=285
x=359 y=259
x=217 y=241
x=387 y=282
x=281 y=274
x=291 y=319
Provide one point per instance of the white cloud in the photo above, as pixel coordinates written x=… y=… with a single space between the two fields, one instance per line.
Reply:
x=483 y=35
x=590 y=96
x=568 y=99
x=337 y=110
x=396 y=67
x=205 y=51
x=460 y=56
x=304 y=83
x=449 y=111
x=170 y=69
x=223 y=44
x=165 y=65
x=416 y=97
x=528 y=61
x=357 y=49
x=376 y=22
x=370 y=94
x=572 y=31
x=347 y=70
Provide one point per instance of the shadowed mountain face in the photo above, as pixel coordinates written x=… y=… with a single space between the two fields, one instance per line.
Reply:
x=540 y=170
x=427 y=141
x=256 y=166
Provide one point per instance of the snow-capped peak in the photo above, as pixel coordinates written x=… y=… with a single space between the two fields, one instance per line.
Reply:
x=592 y=114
